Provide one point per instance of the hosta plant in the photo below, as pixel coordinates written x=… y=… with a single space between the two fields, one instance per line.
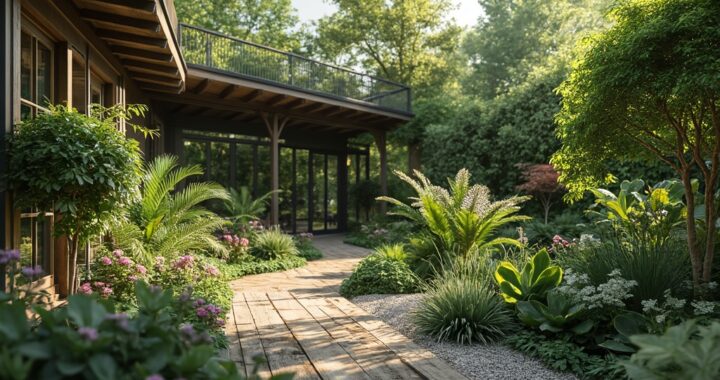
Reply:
x=537 y=277
x=559 y=314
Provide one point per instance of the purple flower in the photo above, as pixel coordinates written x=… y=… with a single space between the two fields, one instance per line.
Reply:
x=9 y=256
x=118 y=253
x=88 y=333
x=201 y=312
x=199 y=302
x=212 y=309
x=31 y=272
x=187 y=329
x=141 y=269
x=106 y=260
x=220 y=322
x=120 y=318
x=125 y=261
x=155 y=377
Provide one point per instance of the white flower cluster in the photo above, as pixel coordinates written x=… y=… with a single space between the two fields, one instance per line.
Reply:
x=588 y=240
x=674 y=306
x=612 y=293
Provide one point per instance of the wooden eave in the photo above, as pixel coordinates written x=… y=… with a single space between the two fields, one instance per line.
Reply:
x=141 y=34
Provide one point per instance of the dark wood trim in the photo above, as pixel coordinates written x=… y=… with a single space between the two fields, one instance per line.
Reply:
x=134 y=65
x=275 y=100
x=140 y=53
x=227 y=91
x=123 y=37
x=147 y=6
x=125 y=22
x=250 y=96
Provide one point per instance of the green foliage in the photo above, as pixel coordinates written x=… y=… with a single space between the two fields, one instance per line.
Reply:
x=377 y=233
x=249 y=264
x=652 y=216
x=568 y=224
x=272 y=244
x=462 y=305
x=196 y=274
x=454 y=223
x=80 y=166
x=379 y=274
x=565 y=356
x=307 y=251
x=394 y=252
x=87 y=340
x=538 y=276
x=685 y=351
x=654 y=268
x=559 y=314
x=167 y=221
x=242 y=208
x=268 y=22
x=362 y=195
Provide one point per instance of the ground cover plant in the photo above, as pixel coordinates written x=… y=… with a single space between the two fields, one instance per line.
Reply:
x=383 y=272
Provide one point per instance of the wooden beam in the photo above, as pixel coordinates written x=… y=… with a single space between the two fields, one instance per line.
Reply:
x=161 y=88
x=294 y=104
x=131 y=22
x=201 y=86
x=133 y=52
x=114 y=35
x=312 y=108
x=135 y=65
x=227 y=91
x=147 y=6
x=250 y=96
x=158 y=79
x=276 y=99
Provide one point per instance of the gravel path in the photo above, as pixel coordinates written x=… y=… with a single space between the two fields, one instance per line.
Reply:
x=474 y=361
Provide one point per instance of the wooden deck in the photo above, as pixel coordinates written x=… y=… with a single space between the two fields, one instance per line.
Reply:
x=319 y=334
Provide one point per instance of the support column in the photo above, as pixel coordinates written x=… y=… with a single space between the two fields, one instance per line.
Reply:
x=274 y=124
x=381 y=143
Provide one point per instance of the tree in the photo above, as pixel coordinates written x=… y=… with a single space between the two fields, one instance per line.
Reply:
x=267 y=22
x=407 y=41
x=648 y=89
x=541 y=181
x=80 y=166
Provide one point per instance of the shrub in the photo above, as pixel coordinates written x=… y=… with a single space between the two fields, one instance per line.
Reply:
x=77 y=165
x=272 y=244
x=654 y=268
x=685 y=351
x=454 y=223
x=393 y=252
x=564 y=356
x=114 y=275
x=196 y=275
x=463 y=306
x=88 y=340
x=362 y=195
x=249 y=264
x=378 y=274
x=242 y=208
x=306 y=249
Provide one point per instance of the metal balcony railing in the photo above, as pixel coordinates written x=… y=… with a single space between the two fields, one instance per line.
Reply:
x=209 y=49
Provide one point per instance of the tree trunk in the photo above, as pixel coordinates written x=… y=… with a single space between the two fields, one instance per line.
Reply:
x=710 y=228
x=695 y=258
x=72 y=263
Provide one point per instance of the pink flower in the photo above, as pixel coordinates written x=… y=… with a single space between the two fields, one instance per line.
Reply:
x=212 y=270
x=106 y=291
x=106 y=260
x=244 y=242
x=155 y=377
x=85 y=288
x=159 y=262
x=141 y=269
x=124 y=261
x=228 y=238
x=184 y=262
x=132 y=278
x=201 y=312
x=118 y=253
x=98 y=284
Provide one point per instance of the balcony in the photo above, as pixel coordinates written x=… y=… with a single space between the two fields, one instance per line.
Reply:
x=207 y=49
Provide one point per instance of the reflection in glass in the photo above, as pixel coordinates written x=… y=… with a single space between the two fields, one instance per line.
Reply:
x=79 y=100
x=331 y=197
x=44 y=75
x=318 y=192
x=301 y=202
x=25 y=74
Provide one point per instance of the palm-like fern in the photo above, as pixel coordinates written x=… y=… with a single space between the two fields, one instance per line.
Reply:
x=242 y=208
x=166 y=221
x=455 y=223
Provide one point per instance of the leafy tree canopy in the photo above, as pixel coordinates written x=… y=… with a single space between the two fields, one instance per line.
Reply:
x=268 y=22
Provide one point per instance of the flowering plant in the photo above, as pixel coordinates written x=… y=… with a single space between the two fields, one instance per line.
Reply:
x=237 y=246
x=603 y=300
x=114 y=275
x=206 y=279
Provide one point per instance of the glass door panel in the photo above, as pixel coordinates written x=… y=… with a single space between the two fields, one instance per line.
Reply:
x=301 y=190
x=286 y=188
x=331 y=199
x=318 y=192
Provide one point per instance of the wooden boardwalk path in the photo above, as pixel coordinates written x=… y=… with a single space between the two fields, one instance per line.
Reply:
x=298 y=322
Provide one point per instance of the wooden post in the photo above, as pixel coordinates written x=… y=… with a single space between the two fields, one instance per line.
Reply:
x=381 y=143
x=274 y=124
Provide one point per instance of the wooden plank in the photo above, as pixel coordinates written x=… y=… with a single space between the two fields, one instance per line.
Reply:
x=281 y=349
x=134 y=39
x=374 y=357
x=140 y=53
x=248 y=339
x=125 y=22
x=417 y=357
x=328 y=357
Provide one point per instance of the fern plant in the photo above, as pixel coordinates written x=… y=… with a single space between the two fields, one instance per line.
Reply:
x=242 y=208
x=455 y=222
x=167 y=221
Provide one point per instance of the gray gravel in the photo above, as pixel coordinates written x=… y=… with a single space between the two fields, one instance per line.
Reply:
x=475 y=361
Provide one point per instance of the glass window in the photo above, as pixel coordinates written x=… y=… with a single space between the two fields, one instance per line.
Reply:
x=331 y=199
x=301 y=185
x=36 y=240
x=243 y=165
x=36 y=74
x=97 y=90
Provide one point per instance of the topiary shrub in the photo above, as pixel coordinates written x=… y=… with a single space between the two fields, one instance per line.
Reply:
x=272 y=244
x=380 y=274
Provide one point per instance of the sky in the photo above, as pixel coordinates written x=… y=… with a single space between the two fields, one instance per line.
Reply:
x=466 y=14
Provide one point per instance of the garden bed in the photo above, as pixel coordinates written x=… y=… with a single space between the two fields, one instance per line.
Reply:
x=252 y=265
x=474 y=361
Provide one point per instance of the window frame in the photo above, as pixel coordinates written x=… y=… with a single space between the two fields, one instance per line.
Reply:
x=37 y=37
